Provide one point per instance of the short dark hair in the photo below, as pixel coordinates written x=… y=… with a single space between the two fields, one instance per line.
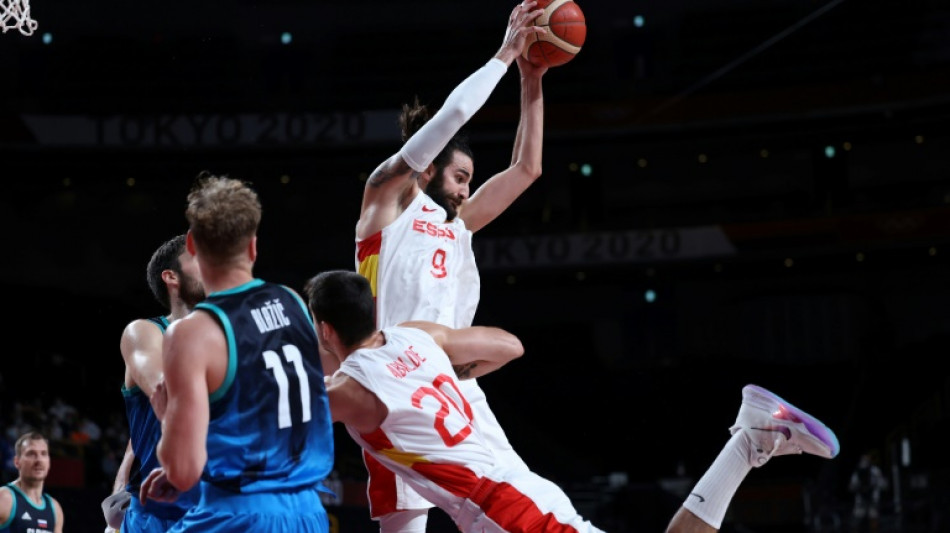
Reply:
x=165 y=258
x=343 y=299
x=25 y=438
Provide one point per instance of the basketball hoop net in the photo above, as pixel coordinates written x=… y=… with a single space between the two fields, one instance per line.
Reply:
x=15 y=14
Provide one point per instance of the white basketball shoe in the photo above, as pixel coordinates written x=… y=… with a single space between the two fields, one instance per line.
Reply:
x=776 y=427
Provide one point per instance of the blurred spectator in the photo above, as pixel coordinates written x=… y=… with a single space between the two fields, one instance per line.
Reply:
x=30 y=414
x=90 y=428
x=867 y=482
x=116 y=433
x=60 y=410
x=109 y=466
x=7 y=453
x=53 y=430
x=334 y=483
x=4 y=400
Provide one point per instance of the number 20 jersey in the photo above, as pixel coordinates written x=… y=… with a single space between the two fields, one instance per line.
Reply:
x=429 y=421
x=270 y=426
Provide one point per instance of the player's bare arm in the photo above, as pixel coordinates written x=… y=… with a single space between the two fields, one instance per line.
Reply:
x=478 y=350
x=464 y=371
x=389 y=189
x=124 y=470
x=395 y=183
x=141 y=347
x=500 y=191
x=6 y=504
x=195 y=354
x=114 y=506
x=60 y=517
x=354 y=405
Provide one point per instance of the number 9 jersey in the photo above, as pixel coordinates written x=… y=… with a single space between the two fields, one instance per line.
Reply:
x=421 y=267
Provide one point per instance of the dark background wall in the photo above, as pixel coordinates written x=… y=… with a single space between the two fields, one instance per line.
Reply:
x=707 y=132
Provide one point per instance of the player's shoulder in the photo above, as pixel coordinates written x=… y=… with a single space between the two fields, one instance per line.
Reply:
x=144 y=326
x=6 y=501
x=139 y=334
x=196 y=329
x=195 y=321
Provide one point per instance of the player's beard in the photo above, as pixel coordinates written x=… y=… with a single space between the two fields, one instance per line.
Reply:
x=33 y=476
x=191 y=291
x=436 y=190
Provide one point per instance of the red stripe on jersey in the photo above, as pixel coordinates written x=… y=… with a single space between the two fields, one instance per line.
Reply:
x=514 y=511
x=381 y=487
x=377 y=439
x=503 y=503
x=369 y=246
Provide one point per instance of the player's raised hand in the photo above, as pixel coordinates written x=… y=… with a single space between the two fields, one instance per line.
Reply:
x=529 y=69
x=520 y=27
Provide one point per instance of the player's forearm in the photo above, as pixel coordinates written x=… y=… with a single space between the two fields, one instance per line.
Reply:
x=487 y=347
x=529 y=139
x=182 y=468
x=125 y=469
x=462 y=103
x=181 y=450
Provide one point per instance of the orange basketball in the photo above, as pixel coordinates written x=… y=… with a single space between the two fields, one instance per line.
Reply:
x=567 y=29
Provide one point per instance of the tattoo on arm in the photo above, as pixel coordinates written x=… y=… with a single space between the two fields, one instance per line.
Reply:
x=387 y=172
x=464 y=371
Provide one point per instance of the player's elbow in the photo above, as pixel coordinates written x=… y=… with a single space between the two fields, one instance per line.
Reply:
x=514 y=348
x=534 y=171
x=531 y=170
x=184 y=472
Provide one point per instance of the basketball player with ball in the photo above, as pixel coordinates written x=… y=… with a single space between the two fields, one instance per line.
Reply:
x=431 y=274
x=413 y=237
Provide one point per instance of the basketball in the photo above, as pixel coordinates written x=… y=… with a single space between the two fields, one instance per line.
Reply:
x=567 y=29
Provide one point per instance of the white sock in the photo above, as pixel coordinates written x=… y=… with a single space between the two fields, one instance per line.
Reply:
x=712 y=495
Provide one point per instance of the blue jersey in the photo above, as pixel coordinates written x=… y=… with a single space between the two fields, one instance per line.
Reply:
x=270 y=427
x=27 y=517
x=145 y=430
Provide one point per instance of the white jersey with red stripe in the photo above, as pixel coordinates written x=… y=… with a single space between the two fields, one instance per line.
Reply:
x=421 y=267
x=429 y=440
